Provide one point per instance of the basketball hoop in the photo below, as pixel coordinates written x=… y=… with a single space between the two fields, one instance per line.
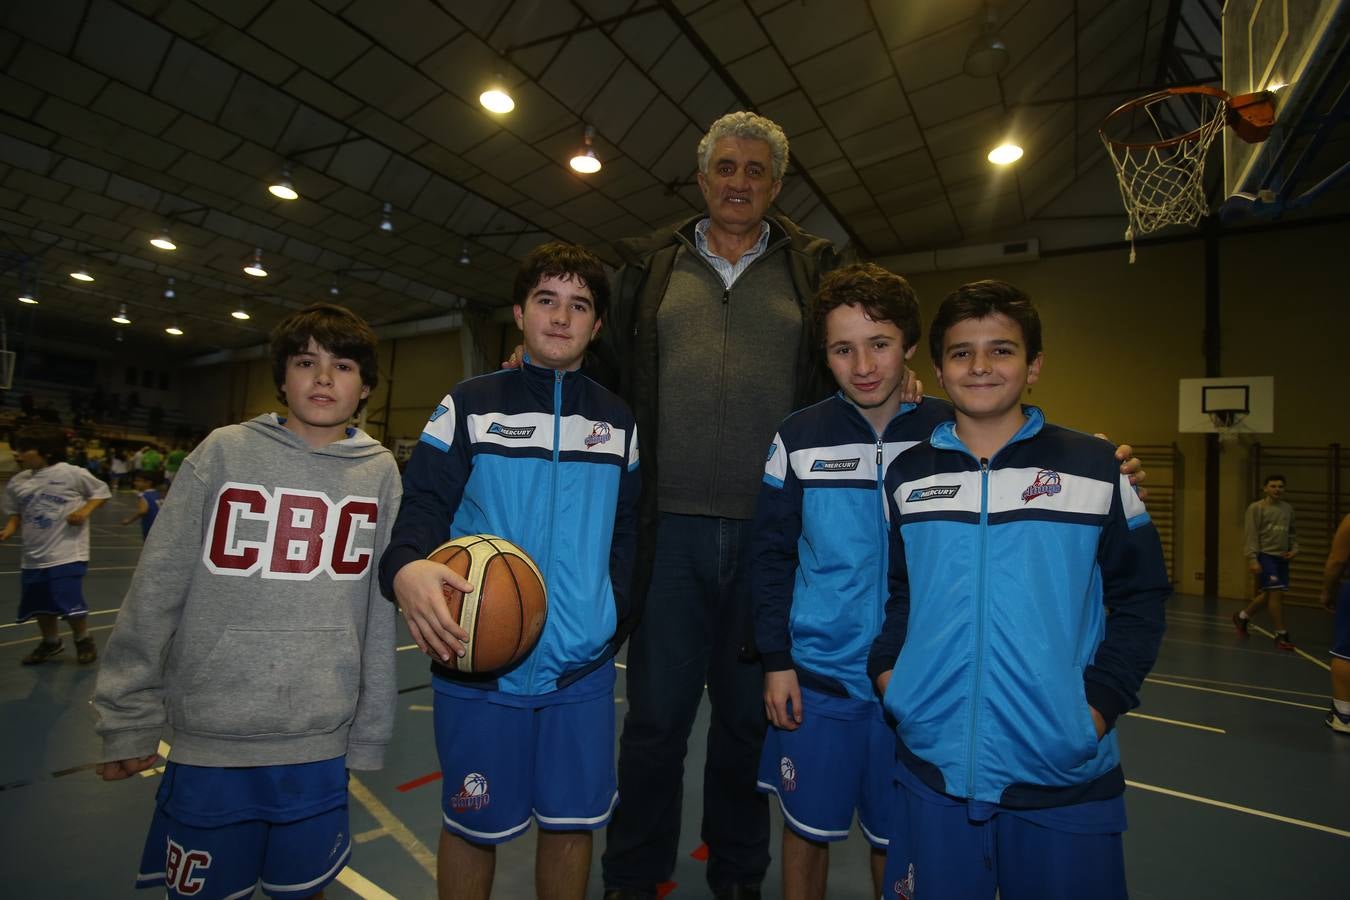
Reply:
x=1226 y=423
x=1162 y=181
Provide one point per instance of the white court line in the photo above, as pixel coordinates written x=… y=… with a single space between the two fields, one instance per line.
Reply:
x=1260 y=687
x=420 y=708
x=405 y=647
x=1300 y=651
x=29 y=640
x=92 y=612
x=1139 y=715
x=362 y=886
x=1210 y=690
x=1242 y=809
x=397 y=830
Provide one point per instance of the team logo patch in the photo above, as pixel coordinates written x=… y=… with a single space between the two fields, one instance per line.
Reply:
x=440 y=410
x=599 y=434
x=787 y=773
x=773 y=448
x=473 y=794
x=835 y=465
x=904 y=887
x=1046 y=483
x=938 y=492
x=506 y=431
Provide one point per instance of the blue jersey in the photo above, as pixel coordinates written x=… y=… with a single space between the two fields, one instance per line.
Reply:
x=818 y=576
x=151 y=498
x=1033 y=585
x=548 y=460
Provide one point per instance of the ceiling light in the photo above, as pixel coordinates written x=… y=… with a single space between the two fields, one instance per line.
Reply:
x=464 y=255
x=495 y=99
x=163 y=241
x=121 y=317
x=1005 y=153
x=585 y=162
x=168 y=291
x=987 y=54
x=82 y=274
x=174 y=330
x=241 y=314
x=282 y=187
x=27 y=297
x=255 y=267
x=386 y=220
x=333 y=289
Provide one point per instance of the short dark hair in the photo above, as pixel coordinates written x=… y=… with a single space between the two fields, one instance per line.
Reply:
x=979 y=300
x=1270 y=478
x=559 y=259
x=883 y=295
x=48 y=440
x=334 y=328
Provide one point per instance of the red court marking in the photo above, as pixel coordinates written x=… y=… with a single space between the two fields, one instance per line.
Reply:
x=700 y=853
x=664 y=888
x=418 y=782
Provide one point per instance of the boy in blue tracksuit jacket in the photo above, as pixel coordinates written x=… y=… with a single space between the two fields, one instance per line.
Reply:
x=548 y=459
x=1026 y=606
x=818 y=576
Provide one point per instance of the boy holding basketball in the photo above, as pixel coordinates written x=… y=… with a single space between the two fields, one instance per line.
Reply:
x=545 y=457
x=254 y=629
x=1032 y=581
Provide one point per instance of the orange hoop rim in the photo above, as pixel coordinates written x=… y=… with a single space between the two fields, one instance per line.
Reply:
x=1223 y=96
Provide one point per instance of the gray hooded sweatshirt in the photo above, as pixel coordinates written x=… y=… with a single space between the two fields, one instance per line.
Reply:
x=254 y=628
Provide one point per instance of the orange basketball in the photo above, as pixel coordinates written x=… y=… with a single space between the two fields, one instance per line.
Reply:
x=505 y=611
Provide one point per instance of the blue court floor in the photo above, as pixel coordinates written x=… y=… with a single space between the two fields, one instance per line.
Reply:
x=1237 y=788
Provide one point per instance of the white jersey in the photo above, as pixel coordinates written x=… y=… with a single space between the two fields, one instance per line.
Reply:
x=42 y=499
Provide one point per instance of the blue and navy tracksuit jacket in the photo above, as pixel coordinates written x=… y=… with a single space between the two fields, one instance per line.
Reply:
x=818 y=576
x=548 y=460
x=1022 y=589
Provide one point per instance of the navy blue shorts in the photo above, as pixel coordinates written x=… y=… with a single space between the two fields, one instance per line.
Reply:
x=1274 y=573
x=54 y=591
x=504 y=765
x=940 y=853
x=287 y=860
x=830 y=766
x=1340 y=638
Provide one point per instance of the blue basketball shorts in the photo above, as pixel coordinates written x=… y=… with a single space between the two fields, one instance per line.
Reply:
x=503 y=765
x=941 y=853
x=287 y=860
x=1340 y=638
x=54 y=591
x=1274 y=573
x=831 y=765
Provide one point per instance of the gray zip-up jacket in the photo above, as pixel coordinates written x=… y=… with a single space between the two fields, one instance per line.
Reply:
x=254 y=627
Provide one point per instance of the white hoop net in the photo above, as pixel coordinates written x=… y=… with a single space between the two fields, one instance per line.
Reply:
x=1163 y=183
x=1226 y=424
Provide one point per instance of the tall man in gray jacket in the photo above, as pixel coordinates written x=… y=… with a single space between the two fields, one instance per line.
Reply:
x=711 y=318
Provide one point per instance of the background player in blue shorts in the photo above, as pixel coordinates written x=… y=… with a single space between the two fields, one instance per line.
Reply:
x=1026 y=606
x=51 y=501
x=264 y=644
x=1270 y=543
x=1336 y=597
x=818 y=576
x=147 y=503
x=546 y=458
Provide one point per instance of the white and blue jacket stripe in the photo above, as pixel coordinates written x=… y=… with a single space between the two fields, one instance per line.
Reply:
x=818 y=576
x=548 y=460
x=1022 y=589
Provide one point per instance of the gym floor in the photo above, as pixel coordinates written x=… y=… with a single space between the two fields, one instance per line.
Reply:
x=1237 y=788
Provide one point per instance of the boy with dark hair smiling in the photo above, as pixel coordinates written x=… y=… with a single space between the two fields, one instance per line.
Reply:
x=254 y=629
x=548 y=459
x=1033 y=582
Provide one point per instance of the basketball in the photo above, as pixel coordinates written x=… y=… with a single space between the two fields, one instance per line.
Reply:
x=505 y=611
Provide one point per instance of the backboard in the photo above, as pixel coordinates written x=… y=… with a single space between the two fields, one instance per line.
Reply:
x=1296 y=48
x=1202 y=402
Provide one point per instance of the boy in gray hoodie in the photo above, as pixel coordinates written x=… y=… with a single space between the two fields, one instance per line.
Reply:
x=255 y=630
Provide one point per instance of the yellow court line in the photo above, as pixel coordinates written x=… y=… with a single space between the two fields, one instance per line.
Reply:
x=391 y=823
x=1302 y=823
x=1246 y=684
x=1299 y=650
x=1139 y=715
x=1210 y=690
x=405 y=647
x=366 y=837
x=417 y=708
x=362 y=886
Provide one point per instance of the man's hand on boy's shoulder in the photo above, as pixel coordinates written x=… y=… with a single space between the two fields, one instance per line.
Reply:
x=1129 y=465
x=125 y=768
x=513 y=361
x=780 y=689
x=420 y=589
x=911 y=388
